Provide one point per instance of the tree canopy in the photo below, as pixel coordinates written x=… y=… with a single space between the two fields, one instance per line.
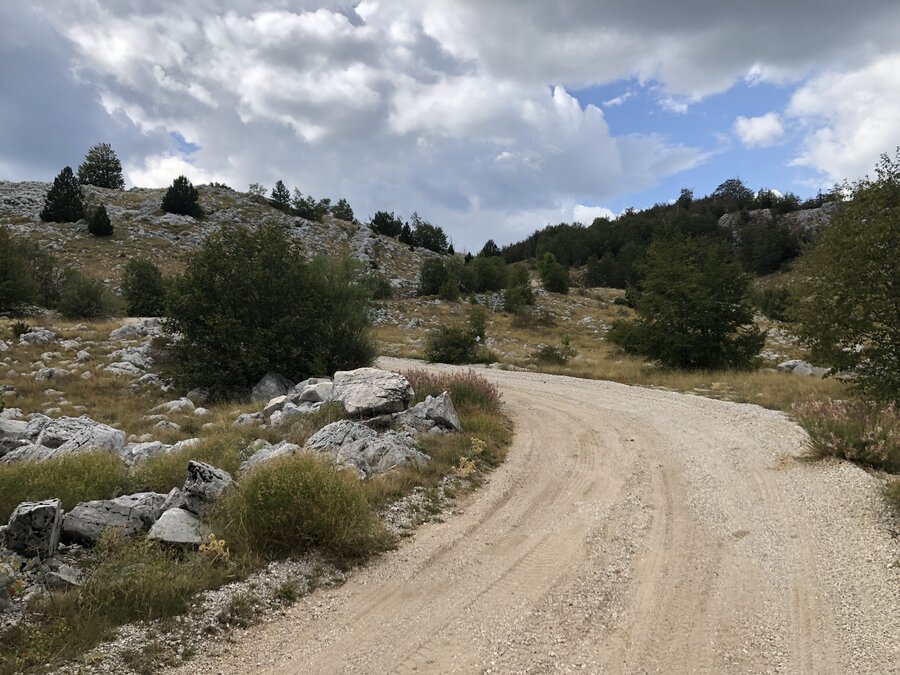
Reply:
x=101 y=168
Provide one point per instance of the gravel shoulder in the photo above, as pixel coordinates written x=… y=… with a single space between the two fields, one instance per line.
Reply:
x=630 y=530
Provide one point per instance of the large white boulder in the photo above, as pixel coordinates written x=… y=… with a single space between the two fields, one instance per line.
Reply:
x=49 y=438
x=371 y=392
x=128 y=515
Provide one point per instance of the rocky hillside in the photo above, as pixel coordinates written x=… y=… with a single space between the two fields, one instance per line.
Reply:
x=804 y=223
x=143 y=230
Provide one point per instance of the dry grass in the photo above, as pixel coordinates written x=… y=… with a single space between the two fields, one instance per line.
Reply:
x=583 y=318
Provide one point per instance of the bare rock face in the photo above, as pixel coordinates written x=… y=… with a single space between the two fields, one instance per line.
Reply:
x=181 y=527
x=357 y=446
x=369 y=392
x=34 y=528
x=266 y=453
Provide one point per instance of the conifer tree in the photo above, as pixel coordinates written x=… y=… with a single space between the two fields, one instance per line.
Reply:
x=181 y=198
x=99 y=225
x=102 y=168
x=281 y=196
x=65 y=201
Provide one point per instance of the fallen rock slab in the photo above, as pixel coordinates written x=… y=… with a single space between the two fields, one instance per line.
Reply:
x=357 y=446
x=178 y=526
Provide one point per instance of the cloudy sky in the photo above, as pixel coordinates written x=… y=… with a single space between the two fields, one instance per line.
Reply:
x=490 y=118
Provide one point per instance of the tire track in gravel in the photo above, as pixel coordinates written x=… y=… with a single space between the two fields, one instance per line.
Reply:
x=630 y=530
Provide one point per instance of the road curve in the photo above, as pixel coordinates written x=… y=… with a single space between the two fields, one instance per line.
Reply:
x=630 y=530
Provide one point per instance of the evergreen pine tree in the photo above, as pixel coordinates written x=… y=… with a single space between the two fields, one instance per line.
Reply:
x=342 y=211
x=102 y=168
x=64 y=202
x=281 y=196
x=181 y=198
x=99 y=224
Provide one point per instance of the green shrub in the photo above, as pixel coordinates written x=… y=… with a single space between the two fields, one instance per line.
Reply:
x=469 y=391
x=72 y=478
x=64 y=202
x=892 y=492
x=342 y=211
x=248 y=303
x=477 y=317
x=451 y=344
x=17 y=287
x=554 y=276
x=558 y=355
x=432 y=276
x=44 y=268
x=855 y=430
x=773 y=302
x=298 y=503
x=144 y=288
x=18 y=328
x=99 y=224
x=85 y=298
x=378 y=286
x=449 y=291
x=386 y=223
x=181 y=198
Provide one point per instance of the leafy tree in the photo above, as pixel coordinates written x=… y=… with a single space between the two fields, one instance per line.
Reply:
x=693 y=309
x=490 y=273
x=685 y=199
x=239 y=321
x=848 y=287
x=432 y=276
x=732 y=195
x=518 y=289
x=406 y=236
x=102 y=168
x=44 y=268
x=386 y=223
x=256 y=190
x=99 y=224
x=181 y=198
x=449 y=290
x=342 y=211
x=144 y=288
x=64 y=202
x=17 y=287
x=309 y=208
x=489 y=249
x=281 y=196
x=764 y=247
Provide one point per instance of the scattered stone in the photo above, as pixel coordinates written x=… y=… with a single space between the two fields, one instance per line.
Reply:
x=61 y=576
x=205 y=484
x=798 y=367
x=268 y=452
x=248 y=419
x=432 y=413
x=135 y=331
x=34 y=528
x=181 y=405
x=37 y=336
x=370 y=391
x=83 y=356
x=45 y=374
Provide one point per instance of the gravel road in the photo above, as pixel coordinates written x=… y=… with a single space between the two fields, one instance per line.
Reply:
x=630 y=530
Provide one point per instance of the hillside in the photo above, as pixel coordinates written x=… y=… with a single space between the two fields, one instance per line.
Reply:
x=143 y=230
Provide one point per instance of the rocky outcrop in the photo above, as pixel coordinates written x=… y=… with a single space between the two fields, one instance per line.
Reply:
x=138 y=330
x=48 y=438
x=804 y=223
x=370 y=391
x=361 y=448
x=34 y=528
x=204 y=485
x=798 y=367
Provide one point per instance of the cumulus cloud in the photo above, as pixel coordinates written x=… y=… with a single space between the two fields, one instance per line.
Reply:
x=850 y=117
x=460 y=109
x=759 y=132
x=586 y=214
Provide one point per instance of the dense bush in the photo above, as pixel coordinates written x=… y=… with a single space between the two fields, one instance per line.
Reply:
x=310 y=208
x=763 y=247
x=518 y=289
x=17 y=287
x=432 y=276
x=451 y=344
x=426 y=235
x=468 y=390
x=847 y=287
x=693 y=308
x=45 y=269
x=64 y=202
x=248 y=304
x=99 y=224
x=554 y=276
x=85 y=298
x=295 y=504
x=144 y=288
x=101 y=168
x=181 y=198
x=773 y=302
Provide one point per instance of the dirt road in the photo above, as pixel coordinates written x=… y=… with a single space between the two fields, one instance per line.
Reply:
x=630 y=531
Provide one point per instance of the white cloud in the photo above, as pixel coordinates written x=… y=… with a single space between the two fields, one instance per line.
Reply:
x=850 y=118
x=586 y=214
x=759 y=132
x=159 y=171
x=618 y=100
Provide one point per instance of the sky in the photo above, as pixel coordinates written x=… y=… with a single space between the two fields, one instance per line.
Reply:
x=490 y=119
